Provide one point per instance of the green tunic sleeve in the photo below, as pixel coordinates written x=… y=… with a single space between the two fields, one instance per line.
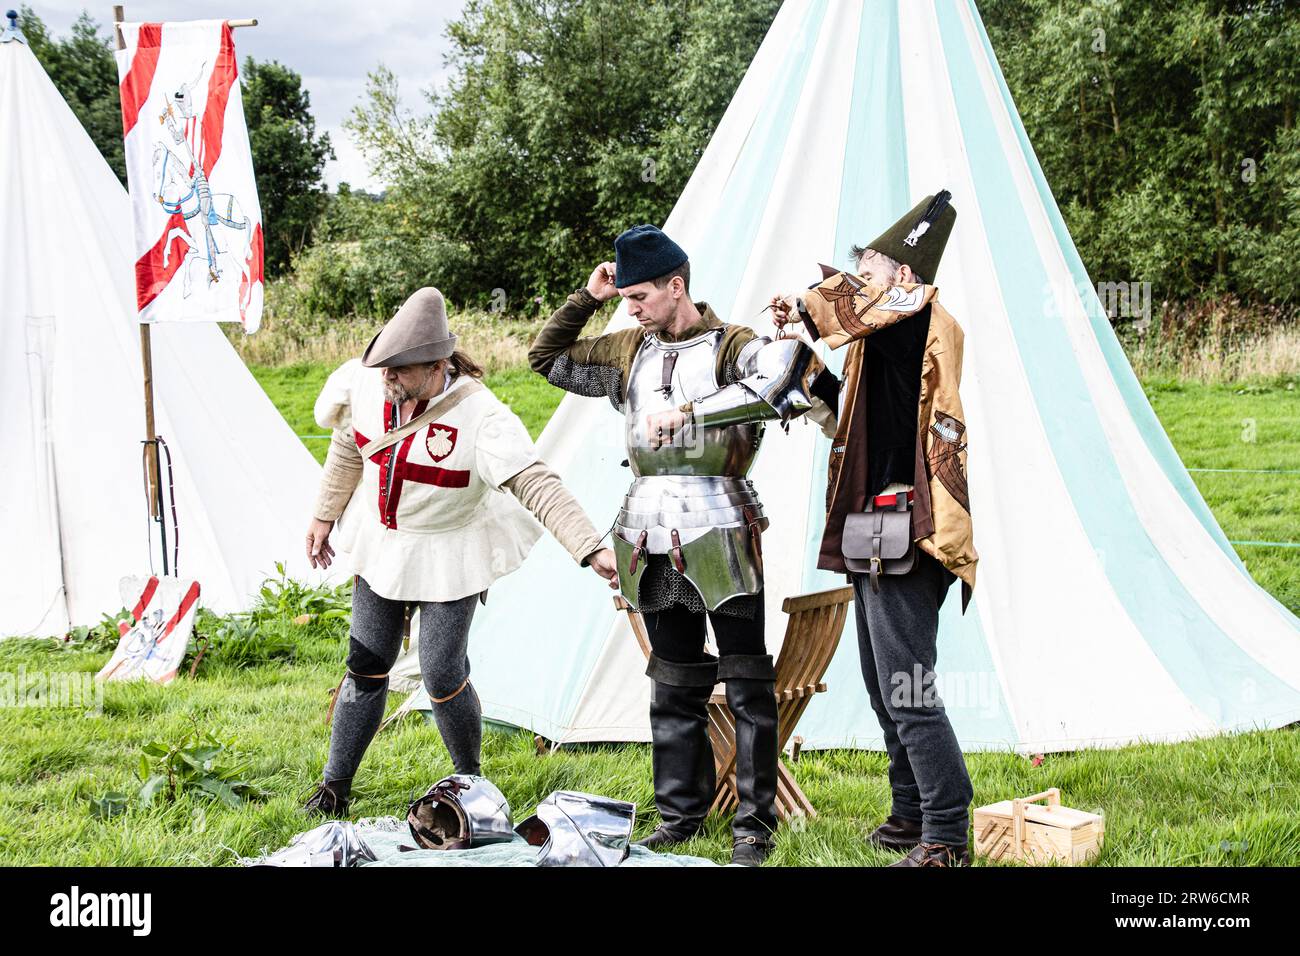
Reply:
x=595 y=366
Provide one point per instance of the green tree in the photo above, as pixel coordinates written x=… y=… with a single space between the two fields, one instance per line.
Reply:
x=563 y=123
x=288 y=155
x=1166 y=128
x=82 y=67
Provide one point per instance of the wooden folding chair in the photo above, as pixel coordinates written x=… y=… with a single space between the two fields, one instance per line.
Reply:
x=812 y=633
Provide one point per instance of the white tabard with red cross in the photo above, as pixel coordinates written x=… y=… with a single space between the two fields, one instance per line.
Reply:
x=429 y=520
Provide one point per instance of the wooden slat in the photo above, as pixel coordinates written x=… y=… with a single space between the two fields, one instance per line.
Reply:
x=801 y=602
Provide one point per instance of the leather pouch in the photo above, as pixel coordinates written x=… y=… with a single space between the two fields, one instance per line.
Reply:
x=879 y=540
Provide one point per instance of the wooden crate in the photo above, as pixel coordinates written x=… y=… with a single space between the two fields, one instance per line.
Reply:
x=1022 y=830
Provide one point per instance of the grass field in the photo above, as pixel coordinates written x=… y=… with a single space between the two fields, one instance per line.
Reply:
x=1225 y=800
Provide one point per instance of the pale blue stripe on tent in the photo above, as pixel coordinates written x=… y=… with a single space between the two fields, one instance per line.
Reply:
x=510 y=649
x=874 y=191
x=1125 y=379
x=1210 y=669
x=718 y=265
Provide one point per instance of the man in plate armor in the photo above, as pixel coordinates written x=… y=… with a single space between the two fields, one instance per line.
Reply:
x=695 y=393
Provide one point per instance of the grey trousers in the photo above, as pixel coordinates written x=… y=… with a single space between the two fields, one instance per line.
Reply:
x=897 y=633
x=374 y=644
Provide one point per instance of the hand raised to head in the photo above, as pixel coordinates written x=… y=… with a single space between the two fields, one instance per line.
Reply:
x=601 y=284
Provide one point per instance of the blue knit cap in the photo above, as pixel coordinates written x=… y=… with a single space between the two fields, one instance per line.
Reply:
x=643 y=253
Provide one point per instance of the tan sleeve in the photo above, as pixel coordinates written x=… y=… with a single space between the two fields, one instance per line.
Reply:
x=342 y=474
x=540 y=491
x=845 y=307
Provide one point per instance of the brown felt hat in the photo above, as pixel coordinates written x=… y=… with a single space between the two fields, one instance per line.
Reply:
x=416 y=334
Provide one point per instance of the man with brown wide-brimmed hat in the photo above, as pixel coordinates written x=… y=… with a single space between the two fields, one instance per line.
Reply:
x=420 y=458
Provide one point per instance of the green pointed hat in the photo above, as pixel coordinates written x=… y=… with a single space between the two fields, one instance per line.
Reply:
x=919 y=237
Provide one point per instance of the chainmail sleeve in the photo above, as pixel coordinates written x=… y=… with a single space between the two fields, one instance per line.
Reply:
x=590 y=381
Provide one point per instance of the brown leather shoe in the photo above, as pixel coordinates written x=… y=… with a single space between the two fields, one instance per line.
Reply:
x=896 y=834
x=936 y=854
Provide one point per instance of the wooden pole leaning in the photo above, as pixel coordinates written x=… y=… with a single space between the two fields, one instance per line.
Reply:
x=153 y=464
x=152 y=492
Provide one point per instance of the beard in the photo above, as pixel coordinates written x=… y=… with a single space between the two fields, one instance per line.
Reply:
x=398 y=394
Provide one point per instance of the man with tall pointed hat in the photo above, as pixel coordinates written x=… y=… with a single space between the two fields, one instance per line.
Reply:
x=694 y=392
x=898 y=511
x=431 y=480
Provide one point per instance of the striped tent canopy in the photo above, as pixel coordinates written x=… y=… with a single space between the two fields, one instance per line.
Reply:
x=1110 y=608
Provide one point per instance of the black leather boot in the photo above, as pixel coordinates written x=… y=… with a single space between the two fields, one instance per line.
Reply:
x=750 y=681
x=330 y=799
x=684 y=777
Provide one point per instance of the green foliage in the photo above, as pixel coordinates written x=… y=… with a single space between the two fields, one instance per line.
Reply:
x=563 y=124
x=198 y=762
x=82 y=67
x=103 y=636
x=286 y=614
x=236 y=641
x=1167 y=131
x=289 y=158
x=283 y=597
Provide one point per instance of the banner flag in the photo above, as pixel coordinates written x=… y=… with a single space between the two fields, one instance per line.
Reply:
x=198 y=225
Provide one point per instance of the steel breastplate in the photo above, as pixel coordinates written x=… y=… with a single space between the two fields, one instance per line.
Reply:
x=726 y=450
x=690 y=499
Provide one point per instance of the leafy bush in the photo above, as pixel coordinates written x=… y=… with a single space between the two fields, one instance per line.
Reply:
x=103 y=636
x=235 y=640
x=283 y=597
x=285 y=610
x=198 y=763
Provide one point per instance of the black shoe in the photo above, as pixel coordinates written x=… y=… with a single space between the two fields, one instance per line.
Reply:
x=684 y=776
x=327 y=802
x=896 y=834
x=751 y=697
x=751 y=850
x=936 y=854
x=662 y=838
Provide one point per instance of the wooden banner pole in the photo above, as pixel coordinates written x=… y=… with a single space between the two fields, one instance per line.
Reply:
x=153 y=491
x=146 y=362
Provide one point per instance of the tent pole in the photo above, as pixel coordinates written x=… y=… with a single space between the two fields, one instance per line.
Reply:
x=153 y=487
x=152 y=490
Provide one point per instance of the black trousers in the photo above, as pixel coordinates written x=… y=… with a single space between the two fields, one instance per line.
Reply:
x=897 y=634
x=678 y=633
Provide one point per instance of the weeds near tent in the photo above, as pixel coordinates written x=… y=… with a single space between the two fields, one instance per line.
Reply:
x=284 y=597
x=286 y=612
x=103 y=636
x=236 y=641
x=199 y=762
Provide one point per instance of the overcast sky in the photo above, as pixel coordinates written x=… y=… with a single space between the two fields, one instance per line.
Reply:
x=320 y=40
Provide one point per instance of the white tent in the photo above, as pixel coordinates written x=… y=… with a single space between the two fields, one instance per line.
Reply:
x=1109 y=607
x=72 y=503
